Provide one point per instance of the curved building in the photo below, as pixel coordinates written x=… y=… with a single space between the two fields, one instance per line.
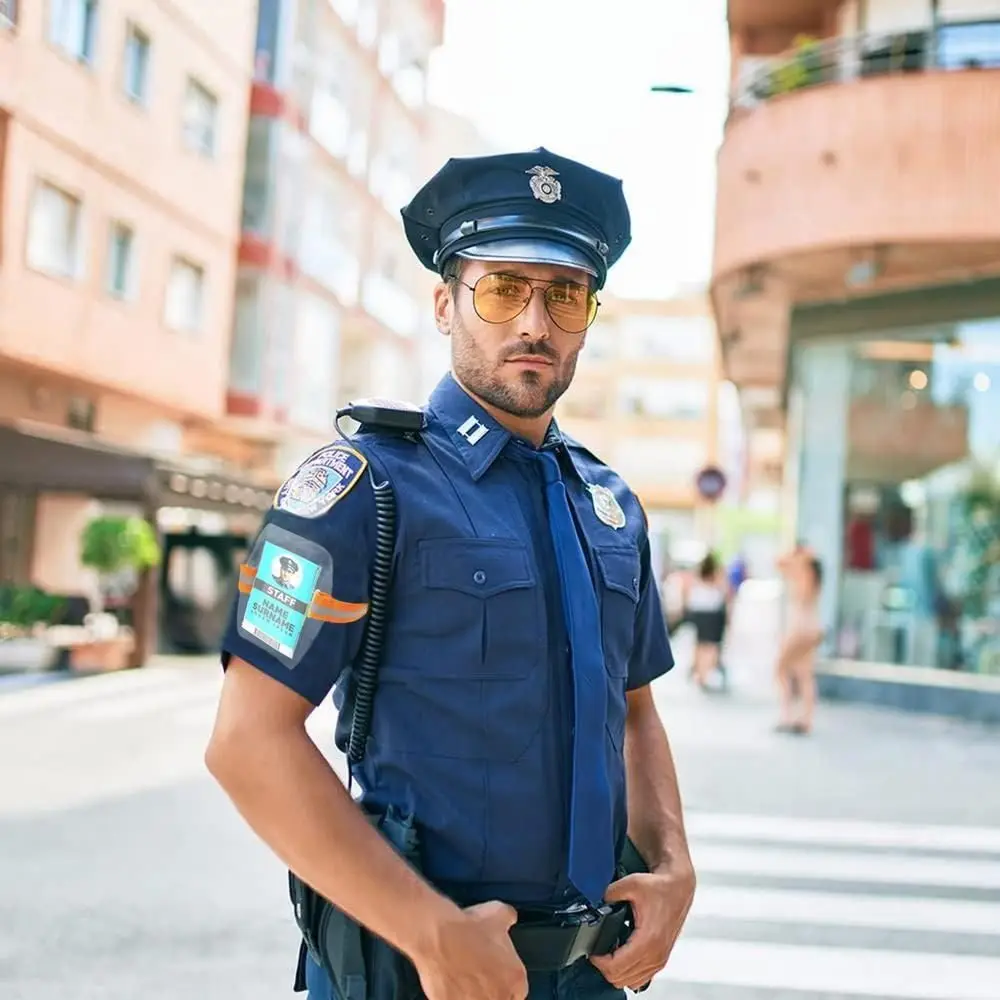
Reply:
x=856 y=288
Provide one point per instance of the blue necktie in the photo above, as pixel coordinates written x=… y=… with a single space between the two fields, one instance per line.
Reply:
x=591 y=847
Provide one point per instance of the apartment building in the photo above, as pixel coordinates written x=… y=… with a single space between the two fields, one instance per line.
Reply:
x=122 y=140
x=856 y=288
x=329 y=297
x=645 y=400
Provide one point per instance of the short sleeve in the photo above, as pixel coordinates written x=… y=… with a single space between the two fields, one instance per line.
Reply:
x=302 y=598
x=651 y=656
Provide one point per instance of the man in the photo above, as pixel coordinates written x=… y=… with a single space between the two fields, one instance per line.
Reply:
x=513 y=706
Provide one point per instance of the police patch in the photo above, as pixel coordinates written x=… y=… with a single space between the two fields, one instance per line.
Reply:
x=321 y=481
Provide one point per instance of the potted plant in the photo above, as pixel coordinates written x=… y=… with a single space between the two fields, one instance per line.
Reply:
x=25 y=611
x=118 y=548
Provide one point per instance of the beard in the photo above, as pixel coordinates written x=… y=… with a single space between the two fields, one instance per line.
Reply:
x=529 y=394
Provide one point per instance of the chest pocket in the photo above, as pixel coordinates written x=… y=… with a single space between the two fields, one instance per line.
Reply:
x=469 y=658
x=619 y=566
x=485 y=608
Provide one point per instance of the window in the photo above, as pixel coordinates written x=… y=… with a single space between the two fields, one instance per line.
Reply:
x=73 y=27
x=248 y=346
x=55 y=232
x=201 y=110
x=684 y=339
x=185 y=296
x=328 y=248
x=665 y=398
x=670 y=462
x=121 y=261
x=8 y=13
x=258 y=182
x=314 y=351
x=136 y=64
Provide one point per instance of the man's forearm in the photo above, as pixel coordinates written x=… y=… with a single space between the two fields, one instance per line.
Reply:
x=655 y=814
x=290 y=797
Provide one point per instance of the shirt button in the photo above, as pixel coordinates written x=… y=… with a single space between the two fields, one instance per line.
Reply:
x=479 y=577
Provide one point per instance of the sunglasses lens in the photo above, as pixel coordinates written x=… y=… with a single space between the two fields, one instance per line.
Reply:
x=572 y=306
x=498 y=298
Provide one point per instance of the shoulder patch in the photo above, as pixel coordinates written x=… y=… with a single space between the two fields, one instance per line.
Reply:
x=324 y=478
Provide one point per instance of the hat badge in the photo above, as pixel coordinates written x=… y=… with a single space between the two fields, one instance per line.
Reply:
x=544 y=185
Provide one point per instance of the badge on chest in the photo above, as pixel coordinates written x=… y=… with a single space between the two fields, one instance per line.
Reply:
x=606 y=506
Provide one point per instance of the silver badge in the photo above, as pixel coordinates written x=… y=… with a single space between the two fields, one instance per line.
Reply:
x=544 y=185
x=606 y=506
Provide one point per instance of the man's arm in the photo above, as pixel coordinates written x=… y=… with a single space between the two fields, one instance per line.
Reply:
x=655 y=815
x=265 y=761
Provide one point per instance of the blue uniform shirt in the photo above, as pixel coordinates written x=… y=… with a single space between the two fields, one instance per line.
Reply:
x=472 y=728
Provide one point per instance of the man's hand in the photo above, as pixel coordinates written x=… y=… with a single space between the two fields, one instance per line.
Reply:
x=660 y=905
x=471 y=955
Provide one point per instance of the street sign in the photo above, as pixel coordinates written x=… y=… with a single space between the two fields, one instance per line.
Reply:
x=710 y=483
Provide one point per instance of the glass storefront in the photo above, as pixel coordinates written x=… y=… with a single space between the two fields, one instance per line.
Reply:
x=898 y=490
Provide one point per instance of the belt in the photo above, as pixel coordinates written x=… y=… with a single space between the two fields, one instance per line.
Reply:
x=547 y=941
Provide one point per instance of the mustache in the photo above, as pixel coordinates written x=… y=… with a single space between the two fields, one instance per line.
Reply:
x=542 y=350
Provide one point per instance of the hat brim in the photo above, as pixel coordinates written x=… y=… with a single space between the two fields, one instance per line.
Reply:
x=530 y=252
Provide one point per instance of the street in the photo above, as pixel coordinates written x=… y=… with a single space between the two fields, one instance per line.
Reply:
x=861 y=861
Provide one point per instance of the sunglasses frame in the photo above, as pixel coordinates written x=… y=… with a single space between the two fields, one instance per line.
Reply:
x=534 y=284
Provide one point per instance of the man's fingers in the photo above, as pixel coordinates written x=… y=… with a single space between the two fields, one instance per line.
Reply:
x=621 y=967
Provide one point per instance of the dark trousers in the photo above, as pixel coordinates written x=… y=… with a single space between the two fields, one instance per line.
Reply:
x=580 y=981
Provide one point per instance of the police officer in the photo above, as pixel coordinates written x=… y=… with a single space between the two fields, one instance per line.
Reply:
x=513 y=718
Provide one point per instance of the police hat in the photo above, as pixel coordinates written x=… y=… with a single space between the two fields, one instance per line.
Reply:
x=533 y=207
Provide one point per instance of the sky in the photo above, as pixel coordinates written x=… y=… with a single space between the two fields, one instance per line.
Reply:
x=574 y=76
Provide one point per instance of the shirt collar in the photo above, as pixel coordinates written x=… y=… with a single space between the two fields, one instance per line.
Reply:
x=478 y=437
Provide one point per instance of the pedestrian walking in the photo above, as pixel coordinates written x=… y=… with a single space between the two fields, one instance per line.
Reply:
x=706 y=603
x=796 y=667
x=502 y=573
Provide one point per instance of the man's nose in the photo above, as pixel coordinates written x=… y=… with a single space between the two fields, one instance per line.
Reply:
x=534 y=319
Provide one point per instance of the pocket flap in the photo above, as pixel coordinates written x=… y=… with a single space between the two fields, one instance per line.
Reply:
x=620 y=569
x=479 y=567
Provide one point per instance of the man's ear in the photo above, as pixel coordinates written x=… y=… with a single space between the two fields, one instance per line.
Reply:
x=444 y=306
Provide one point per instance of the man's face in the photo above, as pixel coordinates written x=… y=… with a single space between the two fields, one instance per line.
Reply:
x=521 y=366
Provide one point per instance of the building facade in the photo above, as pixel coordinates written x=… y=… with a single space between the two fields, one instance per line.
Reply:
x=329 y=297
x=856 y=288
x=645 y=400
x=122 y=140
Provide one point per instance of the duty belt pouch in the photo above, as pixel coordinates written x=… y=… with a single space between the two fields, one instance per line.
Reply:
x=360 y=965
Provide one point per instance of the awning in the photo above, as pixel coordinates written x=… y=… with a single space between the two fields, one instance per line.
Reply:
x=55 y=460
x=181 y=484
x=52 y=460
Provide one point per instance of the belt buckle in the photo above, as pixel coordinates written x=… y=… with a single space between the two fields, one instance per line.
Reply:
x=588 y=921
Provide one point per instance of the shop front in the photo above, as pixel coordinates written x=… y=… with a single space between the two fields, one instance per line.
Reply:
x=894 y=473
x=53 y=481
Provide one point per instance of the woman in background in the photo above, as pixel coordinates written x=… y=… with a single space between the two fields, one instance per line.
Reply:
x=796 y=672
x=706 y=607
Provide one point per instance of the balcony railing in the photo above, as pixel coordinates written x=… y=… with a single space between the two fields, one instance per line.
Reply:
x=947 y=46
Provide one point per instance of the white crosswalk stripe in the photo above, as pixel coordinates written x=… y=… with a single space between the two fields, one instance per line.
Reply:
x=839 y=908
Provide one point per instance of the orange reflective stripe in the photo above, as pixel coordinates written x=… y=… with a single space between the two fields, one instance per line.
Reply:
x=248 y=574
x=326 y=608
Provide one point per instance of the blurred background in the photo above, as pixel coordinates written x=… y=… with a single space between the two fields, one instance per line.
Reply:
x=201 y=260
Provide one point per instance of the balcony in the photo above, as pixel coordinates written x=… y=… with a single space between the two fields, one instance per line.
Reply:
x=852 y=167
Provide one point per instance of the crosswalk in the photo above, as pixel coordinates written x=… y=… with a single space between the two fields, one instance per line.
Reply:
x=787 y=907
x=806 y=909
